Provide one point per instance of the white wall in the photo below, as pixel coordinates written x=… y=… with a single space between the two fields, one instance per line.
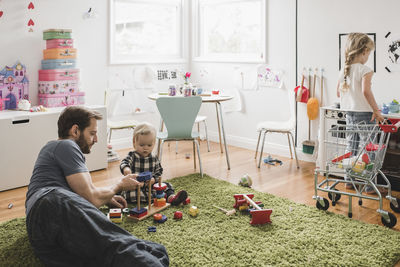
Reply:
x=90 y=37
x=257 y=105
x=320 y=23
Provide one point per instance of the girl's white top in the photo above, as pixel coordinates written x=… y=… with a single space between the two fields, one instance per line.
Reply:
x=353 y=98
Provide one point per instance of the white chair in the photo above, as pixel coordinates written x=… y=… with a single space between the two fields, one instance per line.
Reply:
x=284 y=127
x=112 y=123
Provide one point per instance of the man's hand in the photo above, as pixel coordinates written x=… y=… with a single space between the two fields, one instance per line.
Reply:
x=117 y=202
x=152 y=181
x=129 y=182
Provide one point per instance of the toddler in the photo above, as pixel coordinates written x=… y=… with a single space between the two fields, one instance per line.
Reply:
x=354 y=90
x=141 y=160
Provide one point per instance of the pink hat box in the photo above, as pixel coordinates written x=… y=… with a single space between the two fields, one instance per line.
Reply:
x=58 y=74
x=59 y=43
x=61 y=100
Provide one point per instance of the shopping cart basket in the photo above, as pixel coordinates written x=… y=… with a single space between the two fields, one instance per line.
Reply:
x=357 y=152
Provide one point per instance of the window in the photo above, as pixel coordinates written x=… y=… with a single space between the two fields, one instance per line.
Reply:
x=230 y=30
x=146 y=31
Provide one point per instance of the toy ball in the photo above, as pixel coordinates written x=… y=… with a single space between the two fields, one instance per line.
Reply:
x=157 y=216
x=178 y=215
x=193 y=211
x=245 y=181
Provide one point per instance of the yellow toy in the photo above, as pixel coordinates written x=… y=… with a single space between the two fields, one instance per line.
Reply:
x=193 y=211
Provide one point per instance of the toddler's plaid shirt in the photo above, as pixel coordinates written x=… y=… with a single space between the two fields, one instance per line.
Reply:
x=138 y=164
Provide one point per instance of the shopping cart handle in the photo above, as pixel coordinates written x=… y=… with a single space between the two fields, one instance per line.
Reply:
x=391 y=128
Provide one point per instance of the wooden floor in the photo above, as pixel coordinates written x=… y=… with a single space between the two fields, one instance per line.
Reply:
x=285 y=181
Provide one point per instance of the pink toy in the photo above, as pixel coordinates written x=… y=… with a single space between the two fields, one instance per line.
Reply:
x=258 y=216
x=14 y=85
x=58 y=87
x=61 y=100
x=2 y=100
x=58 y=74
x=59 y=43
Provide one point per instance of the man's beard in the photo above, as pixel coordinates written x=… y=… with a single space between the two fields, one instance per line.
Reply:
x=83 y=145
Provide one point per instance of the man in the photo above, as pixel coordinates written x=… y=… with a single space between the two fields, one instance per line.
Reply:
x=64 y=224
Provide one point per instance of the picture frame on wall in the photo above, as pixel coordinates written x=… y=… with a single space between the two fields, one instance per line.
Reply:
x=342 y=47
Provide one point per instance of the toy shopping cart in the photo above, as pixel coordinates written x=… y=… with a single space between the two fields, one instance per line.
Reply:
x=357 y=153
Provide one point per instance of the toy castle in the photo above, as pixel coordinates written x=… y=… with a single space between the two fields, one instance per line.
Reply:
x=14 y=85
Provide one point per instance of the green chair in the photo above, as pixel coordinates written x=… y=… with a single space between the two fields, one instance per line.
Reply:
x=179 y=115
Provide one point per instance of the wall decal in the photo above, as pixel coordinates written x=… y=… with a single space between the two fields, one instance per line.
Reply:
x=1 y=13
x=31 y=6
x=393 y=52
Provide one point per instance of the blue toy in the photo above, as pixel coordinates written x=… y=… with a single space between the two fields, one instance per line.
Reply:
x=385 y=109
x=269 y=160
x=151 y=229
x=144 y=176
x=163 y=219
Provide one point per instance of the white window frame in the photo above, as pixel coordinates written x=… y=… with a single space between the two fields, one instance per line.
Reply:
x=181 y=57
x=227 y=57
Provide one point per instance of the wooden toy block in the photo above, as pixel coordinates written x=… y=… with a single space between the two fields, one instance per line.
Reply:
x=115 y=219
x=159 y=187
x=151 y=229
x=162 y=220
x=239 y=199
x=157 y=216
x=144 y=176
x=178 y=215
x=160 y=202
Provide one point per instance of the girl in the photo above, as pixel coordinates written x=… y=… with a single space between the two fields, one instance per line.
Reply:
x=354 y=89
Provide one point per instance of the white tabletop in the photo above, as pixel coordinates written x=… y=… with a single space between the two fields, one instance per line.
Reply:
x=205 y=98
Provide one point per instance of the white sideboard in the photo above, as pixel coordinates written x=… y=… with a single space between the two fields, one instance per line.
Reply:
x=23 y=134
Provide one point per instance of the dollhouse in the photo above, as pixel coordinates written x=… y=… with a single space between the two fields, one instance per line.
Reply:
x=14 y=85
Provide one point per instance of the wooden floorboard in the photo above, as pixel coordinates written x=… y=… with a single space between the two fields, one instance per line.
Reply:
x=285 y=181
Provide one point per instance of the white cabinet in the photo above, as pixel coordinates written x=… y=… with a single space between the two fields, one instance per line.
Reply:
x=23 y=134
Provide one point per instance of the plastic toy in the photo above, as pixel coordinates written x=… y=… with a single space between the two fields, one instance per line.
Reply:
x=365 y=158
x=2 y=105
x=269 y=160
x=24 y=104
x=115 y=215
x=345 y=156
x=160 y=218
x=187 y=201
x=14 y=85
x=151 y=229
x=245 y=181
x=159 y=204
x=258 y=215
x=178 y=215
x=359 y=166
x=227 y=212
x=385 y=109
x=194 y=211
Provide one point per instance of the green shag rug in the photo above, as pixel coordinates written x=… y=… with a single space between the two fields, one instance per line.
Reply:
x=298 y=236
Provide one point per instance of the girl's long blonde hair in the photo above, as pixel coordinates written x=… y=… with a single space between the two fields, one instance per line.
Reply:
x=357 y=43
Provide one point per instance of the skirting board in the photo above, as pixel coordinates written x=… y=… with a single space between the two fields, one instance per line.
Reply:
x=247 y=143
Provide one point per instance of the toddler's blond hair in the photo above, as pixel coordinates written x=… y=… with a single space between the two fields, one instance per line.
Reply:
x=357 y=43
x=144 y=129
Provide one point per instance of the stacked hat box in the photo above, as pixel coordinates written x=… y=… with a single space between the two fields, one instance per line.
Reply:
x=59 y=77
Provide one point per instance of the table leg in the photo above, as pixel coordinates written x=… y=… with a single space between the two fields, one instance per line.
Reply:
x=219 y=127
x=223 y=134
